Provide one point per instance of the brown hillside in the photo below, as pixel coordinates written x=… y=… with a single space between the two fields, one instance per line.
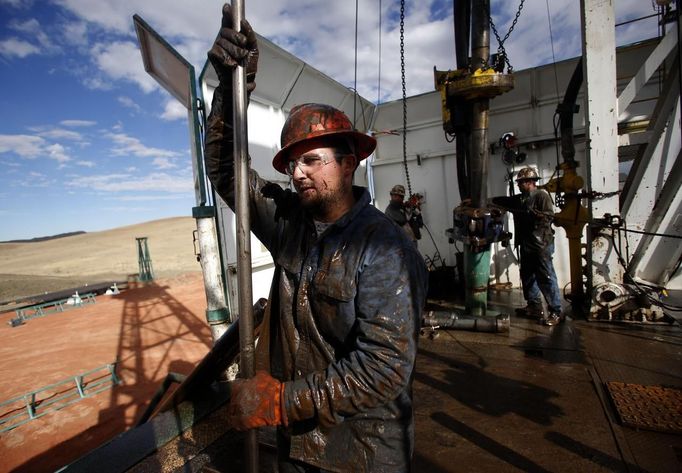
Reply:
x=37 y=267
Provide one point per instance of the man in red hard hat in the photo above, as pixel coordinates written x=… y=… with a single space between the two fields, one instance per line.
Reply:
x=338 y=343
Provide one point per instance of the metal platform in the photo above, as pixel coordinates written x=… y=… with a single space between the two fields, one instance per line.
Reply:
x=532 y=400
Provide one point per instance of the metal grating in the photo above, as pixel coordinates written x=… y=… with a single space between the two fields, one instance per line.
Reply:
x=647 y=407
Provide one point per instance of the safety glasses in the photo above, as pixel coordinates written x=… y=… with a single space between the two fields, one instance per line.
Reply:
x=308 y=163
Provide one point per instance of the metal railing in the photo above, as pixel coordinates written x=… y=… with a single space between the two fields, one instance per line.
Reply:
x=21 y=409
x=52 y=307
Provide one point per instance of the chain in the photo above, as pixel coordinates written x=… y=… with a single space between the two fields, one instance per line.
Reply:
x=500 y=49
x=402 y=75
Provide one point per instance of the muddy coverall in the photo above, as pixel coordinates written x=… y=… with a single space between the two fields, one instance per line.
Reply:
x=342 y=322
x=396 y=212
x=534 y=234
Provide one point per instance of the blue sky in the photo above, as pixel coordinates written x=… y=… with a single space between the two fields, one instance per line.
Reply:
x=88 y=141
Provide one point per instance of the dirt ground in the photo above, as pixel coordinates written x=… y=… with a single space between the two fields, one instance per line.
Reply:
x=151 y=330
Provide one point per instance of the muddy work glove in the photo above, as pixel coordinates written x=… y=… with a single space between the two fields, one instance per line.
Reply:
x=232 y=48
x=256 y=402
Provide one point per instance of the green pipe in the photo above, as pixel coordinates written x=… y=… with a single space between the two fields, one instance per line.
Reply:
x=476 y=274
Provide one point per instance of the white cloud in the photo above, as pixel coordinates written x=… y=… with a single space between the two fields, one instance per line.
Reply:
x=61 y=134
x=129 y=103
x=35 y=179
x=145 y=198
x=34 y=30
x=87 y=164
x=26 y=146
x=128 y=145
x=155 y=182
x=75 y=33
x=163 y=163
x=58 y=153
x=329 y=46
x=105 y=14
x=125 y=208
x=174 y=110
x=27 y=26
x=121 y=60
x=77 y=123
x=11 y=164
x=18 y=3
x=97 y=83
x=14 y=47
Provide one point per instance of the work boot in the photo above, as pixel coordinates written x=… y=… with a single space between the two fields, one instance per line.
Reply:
x=552 y=318
x=532 y=310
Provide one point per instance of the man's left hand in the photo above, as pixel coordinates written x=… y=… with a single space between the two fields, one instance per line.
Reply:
x=256 y=402
x=232 y=48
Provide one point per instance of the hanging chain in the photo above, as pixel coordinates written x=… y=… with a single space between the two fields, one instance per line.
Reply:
x=500 y=48
x=402 y=74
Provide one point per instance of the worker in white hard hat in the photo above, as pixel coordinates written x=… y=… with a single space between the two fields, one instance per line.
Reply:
x=535 y=237
x=336 y=354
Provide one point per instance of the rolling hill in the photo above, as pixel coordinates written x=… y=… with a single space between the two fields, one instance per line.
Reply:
x=35 y=267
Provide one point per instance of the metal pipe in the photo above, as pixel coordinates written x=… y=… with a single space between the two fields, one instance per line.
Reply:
x=245 y=299
x=478 y=156
x=480 y=51
x=462 y=17
x=451 y=320
x=462 y=24
x=170 y=378
x=217 y=314
x=477 y=274
x=480 y=34
x=566 y=111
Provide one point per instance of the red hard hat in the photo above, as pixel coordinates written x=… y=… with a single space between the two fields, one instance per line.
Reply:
x=315 y=120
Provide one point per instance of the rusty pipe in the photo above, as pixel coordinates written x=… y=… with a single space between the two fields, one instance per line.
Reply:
x=242 y=208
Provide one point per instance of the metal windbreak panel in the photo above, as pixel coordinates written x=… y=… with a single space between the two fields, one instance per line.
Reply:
x=164 y=63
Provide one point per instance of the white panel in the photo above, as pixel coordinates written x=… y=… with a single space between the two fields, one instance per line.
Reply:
x=313 y=86
x=277 y=73
x=661 y=258
x=654 y=177
x=433 y=180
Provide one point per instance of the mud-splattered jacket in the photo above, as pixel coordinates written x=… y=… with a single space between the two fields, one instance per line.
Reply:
x=533 y=223
x=342 y=324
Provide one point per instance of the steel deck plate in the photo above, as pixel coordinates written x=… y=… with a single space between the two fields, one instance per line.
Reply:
x=647 y=407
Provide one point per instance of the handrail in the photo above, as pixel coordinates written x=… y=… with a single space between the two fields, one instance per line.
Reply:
x=30 y=403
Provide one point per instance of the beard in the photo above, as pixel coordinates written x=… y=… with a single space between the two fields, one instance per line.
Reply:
x=318 y=202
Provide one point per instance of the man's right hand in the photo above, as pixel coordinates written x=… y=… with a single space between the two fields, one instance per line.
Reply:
x=232 y=48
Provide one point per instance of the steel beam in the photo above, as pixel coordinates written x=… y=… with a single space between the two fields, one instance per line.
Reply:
x=655 y=59
x=601 y=113
x=656 y=257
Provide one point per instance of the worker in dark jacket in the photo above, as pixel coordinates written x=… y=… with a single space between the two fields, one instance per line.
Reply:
x=533 y=214
x=335 y=359
x=399 y=212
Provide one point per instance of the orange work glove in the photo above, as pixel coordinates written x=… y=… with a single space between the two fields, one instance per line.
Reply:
x=256 y=402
